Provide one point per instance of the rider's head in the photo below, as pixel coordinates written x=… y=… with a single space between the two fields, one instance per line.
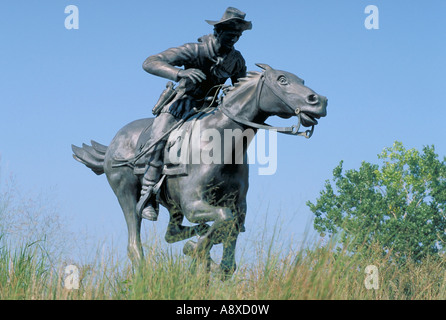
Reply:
x=230 y=27
x=227 y=37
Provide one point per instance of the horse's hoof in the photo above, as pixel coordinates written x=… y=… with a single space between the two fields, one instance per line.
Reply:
x=190 y=248
x=227 y=270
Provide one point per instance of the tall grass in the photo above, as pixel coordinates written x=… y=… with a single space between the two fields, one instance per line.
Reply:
x=318 y=273
x=32 y=267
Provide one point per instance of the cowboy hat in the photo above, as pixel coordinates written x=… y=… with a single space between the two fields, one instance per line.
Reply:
x=233 y=17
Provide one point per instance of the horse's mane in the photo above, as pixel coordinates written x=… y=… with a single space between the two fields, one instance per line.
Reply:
x=251 y=76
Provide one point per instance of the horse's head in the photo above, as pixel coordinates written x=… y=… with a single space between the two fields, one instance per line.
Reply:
x=285 y=95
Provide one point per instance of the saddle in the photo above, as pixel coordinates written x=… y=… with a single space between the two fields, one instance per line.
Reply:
x=177 y=151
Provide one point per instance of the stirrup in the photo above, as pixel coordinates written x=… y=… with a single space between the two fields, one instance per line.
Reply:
x=151 y=191
x=150 y=213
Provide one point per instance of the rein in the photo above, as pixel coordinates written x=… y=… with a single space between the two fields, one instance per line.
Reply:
x=293 y=130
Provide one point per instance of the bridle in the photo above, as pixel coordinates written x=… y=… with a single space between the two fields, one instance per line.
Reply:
x=293 y=130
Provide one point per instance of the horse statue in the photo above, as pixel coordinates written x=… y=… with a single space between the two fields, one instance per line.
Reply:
x=206 y=192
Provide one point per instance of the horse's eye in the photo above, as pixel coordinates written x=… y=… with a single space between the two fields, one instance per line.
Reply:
x=282 y=80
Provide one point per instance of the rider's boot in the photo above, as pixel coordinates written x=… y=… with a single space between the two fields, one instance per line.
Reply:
x=148 y=198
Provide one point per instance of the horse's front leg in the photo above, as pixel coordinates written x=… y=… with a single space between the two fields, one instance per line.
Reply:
x=228 y=264
x=202 y=212
x=177 y=232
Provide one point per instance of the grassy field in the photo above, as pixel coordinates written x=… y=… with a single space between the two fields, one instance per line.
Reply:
x=320 y=273
x=35 y=269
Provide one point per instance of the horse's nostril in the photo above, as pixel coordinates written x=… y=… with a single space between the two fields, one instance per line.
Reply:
x=312 y=98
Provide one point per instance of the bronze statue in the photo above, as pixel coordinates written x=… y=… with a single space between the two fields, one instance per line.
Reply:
x=202 y=192
x=207 y=64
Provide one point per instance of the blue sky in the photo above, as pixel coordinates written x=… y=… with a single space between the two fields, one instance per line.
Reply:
x=61 y=87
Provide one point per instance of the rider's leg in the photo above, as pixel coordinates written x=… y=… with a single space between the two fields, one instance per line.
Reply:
x=150 y=178
x=160 y=126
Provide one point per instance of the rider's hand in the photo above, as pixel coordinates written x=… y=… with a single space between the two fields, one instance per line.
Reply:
x=194 y=75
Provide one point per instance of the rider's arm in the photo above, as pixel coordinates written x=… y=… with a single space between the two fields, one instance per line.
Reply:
x=166 y=63
x=160 y=68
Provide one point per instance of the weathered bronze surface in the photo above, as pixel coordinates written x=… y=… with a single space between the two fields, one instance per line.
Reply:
x=202 y=192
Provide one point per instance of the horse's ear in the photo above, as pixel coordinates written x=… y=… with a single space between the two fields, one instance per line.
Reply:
x=263 y=66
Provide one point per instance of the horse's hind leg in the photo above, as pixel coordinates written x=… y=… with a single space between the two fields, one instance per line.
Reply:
x=126 y=188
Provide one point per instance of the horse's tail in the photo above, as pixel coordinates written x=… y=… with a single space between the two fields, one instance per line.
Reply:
x=92 y=156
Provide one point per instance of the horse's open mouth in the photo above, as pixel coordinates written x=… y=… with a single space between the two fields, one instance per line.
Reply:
x=308 y=120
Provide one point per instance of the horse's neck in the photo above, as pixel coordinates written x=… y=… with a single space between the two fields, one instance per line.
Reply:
x=241 y=102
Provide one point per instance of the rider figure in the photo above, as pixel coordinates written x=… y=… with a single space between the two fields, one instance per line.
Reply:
x=208 y=63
